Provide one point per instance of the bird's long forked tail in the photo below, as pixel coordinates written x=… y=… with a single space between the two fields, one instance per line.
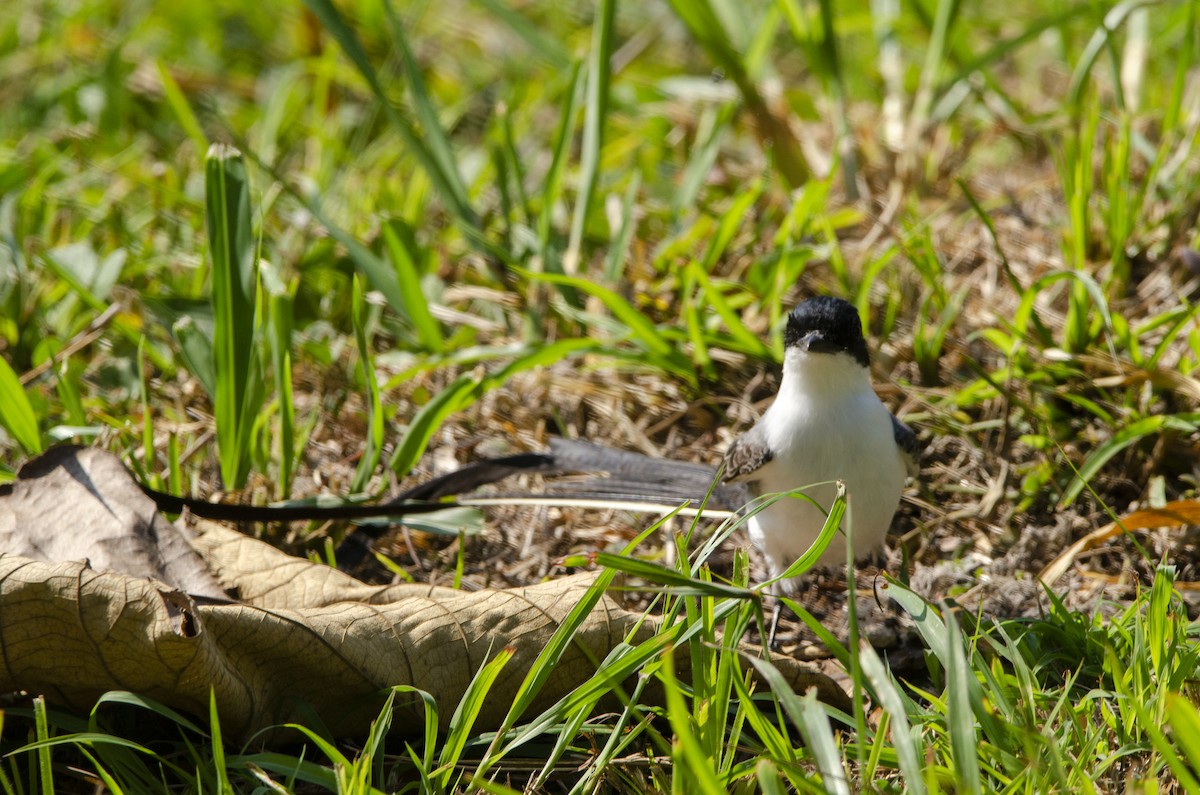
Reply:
x=607 y=478
x=603 y=478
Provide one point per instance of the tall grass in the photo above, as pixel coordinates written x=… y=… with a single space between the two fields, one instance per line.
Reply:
x=447 y=203
x=994 y=711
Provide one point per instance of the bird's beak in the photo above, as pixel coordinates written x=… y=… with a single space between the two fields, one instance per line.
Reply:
x=817 y=342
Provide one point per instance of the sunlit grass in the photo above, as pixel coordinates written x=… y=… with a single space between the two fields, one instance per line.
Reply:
x=433 y=201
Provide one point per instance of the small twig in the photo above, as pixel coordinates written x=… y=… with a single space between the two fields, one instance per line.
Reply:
x=412 y=549
x=77 y=343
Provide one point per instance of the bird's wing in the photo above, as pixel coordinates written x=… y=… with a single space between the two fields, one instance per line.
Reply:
x=748 y=453
x=909 y=446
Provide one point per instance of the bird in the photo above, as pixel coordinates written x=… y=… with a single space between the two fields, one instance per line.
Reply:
x=826 y=424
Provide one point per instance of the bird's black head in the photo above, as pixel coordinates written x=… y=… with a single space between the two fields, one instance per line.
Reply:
x=825 y=324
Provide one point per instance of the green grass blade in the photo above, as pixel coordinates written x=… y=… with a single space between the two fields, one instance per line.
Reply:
x=107 y=778
x=1184 y=721
x=1184 y=58
x=79 y=267
x=148 y=454
x=539 y=42
x=456 y=522
x=401 y=245
x=835 y=85
x=885 y=14
x=543 y=666
x=1086 y=285
x=369 y=763
x=235 y=297
x=435 y=137
x=909 y=751
x=706 y=27
x=1130 y=434
x=183 y=111
x=768 y=778
x=960 y=716
x=67 y=380
x=510 y=177
x=463 y=719
x=748 y=342
x=618 y=250
x=594 y=118
x=674 y=581
x=373 y=447
x=711 y=130
x=82 y=738
x=820 y=742
x=691 y=320
x=466 y=389
x=382 y=277
x=740 y=209
x=144 y=702
x=218 y=746
x=295 y=769
x=693 y=768
x=430 y=735
x=935 y=53
x=281 y=310
x=446 y=180
x=326 y=747
x=1006 y=48
x=523 y=355
x=833 y=522
x=629 y=729
x=45 y=764
x=552 y=183
x=807 y=714
x=196 y=349
x=458 y=394
x=1159 y=621
x=1153 y=729
x=16 y=412
x=929 y=621
x=538 y=356
x=769 y=732
x=568 y=736
x=639 y=327
x=1101 y=38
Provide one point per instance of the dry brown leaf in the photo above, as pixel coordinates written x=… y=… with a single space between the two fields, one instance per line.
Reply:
x=1179 y=513
x=80 y=503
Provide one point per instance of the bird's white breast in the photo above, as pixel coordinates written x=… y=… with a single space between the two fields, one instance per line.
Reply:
x=827 y=425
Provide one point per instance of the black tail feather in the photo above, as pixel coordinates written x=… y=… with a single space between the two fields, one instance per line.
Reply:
x=479 y=473
x=627 y=477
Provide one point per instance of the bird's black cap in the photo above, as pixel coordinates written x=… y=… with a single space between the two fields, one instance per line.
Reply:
x=824 y=324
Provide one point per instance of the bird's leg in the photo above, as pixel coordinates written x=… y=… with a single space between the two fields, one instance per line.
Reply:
x=777 y=591
x=774 y=623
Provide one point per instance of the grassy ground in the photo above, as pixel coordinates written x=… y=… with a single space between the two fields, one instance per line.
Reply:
x=475 y=231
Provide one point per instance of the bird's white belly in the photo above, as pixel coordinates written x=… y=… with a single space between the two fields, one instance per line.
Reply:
x=856 y=445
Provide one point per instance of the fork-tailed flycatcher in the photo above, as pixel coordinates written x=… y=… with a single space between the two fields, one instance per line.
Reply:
x=826 y=424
